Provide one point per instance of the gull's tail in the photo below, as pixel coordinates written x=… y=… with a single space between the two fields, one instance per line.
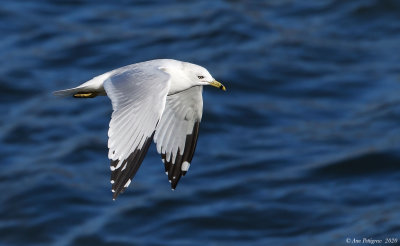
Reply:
x=89 y=89
x=67 y=92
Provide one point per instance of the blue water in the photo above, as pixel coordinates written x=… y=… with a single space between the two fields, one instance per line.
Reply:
x=303 y=148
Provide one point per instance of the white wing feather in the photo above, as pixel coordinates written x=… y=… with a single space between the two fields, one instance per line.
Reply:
x=138 y=95
x=177 y=131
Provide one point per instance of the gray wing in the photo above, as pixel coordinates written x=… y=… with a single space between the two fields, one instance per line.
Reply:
x=177 y=132
x=138 y=95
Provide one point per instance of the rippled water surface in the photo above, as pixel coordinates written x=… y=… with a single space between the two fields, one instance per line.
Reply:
x=303 y=148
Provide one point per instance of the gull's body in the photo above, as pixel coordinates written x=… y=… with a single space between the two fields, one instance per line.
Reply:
x=158 y=99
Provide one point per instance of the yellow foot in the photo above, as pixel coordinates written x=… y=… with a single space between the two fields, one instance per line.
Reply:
x=85 y=95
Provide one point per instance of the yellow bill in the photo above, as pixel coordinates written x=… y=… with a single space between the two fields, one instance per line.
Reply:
x=218 y=85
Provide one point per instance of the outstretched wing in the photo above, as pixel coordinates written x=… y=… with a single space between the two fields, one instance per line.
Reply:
x=177 y=132
x=138 y=96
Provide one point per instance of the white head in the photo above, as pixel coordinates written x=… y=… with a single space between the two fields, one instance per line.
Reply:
x=185 y=75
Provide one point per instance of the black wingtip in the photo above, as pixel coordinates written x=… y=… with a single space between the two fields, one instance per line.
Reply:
x=123 y=175
x=114 y=197
x=117 y=193
x=175 y=181
x=175 y=171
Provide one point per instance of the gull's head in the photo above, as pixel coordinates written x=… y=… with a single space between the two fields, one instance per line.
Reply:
x=198 y=75
x=185 y=75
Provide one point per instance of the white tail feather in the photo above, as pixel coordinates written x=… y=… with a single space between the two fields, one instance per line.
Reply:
x=93 y=85
x=68 y=92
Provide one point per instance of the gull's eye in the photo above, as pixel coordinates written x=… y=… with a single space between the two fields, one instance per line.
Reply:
x=200 y=77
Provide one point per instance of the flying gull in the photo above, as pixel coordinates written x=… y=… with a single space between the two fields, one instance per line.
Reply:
x=158 y=100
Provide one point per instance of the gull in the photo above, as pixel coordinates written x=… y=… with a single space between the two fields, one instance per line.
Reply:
x=158 y=100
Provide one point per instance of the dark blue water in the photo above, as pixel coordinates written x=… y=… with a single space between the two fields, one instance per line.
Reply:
x=303 y=148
